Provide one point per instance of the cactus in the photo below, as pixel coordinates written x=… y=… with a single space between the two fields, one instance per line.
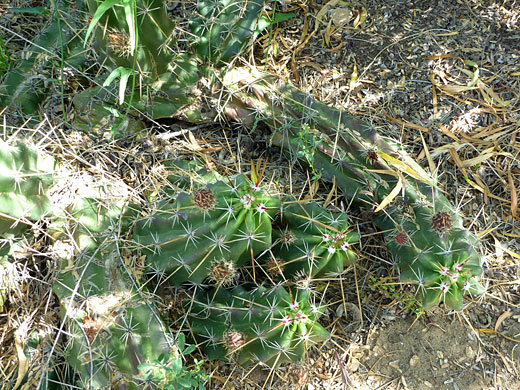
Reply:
x=264 y=325
x=224 y=28
x=219 y=33
x=311 y=240
x=423 y=230
x=24 y=87
x=25 y=176
x=113 y=329
x=113 y=326
x=208 y=232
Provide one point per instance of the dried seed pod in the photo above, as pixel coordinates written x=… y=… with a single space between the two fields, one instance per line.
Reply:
x=204 y=199
x=275 y=266
x=234 y=340
x=223 y=272
x=287 y=237
x=442 y=222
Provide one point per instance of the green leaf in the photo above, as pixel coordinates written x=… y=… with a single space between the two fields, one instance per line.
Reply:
x=145 y=366
x=176 y=366
x=279 y=17
x=30 y=10
x=163 y=358
x=112 y=76
x=125 y=74
x=189 y=349
x=181 y=340
x=129 y=13
x=184 y=382
x=104 y=7
x=283 y=16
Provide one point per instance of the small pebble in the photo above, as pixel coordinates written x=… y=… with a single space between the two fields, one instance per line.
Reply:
x=414 y=360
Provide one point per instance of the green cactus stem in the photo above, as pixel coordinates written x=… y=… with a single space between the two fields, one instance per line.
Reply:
x=312 y=241
x=199 y=234
x=25 y=176
x=113 y=326
x=224 y=28
x=270 y=326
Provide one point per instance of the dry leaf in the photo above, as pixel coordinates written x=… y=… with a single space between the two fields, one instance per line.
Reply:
x=477 y=160
x=404 y=167
x=501 y=319
x=331 y=193
x=492 y=95
x=23 y=364
x=193 y=142
x=454 y=89
x=340 y=16
x=434 y=95
x=328 y=32
x=353 y=76
x=360 y=18
x=514 y=195
x=391 y=196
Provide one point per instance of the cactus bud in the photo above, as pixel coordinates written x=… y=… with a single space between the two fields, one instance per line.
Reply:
x=401 y=238
x=233 y=340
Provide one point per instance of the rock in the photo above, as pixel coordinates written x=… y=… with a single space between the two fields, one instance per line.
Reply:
x=353 y=364
x=414 y=360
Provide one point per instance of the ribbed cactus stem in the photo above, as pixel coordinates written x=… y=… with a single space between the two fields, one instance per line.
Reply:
x=423 y=230
x=260 y=324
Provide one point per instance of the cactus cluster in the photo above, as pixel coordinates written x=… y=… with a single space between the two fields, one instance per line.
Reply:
x=424 y=233
x=248 y=246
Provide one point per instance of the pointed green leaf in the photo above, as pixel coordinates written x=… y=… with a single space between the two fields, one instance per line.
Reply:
x=104 y=7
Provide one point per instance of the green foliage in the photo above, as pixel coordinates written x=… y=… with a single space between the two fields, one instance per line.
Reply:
x=5 y=58
x=306 y=143
x=389 y=289
x=260 y=324
x=168 y=372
